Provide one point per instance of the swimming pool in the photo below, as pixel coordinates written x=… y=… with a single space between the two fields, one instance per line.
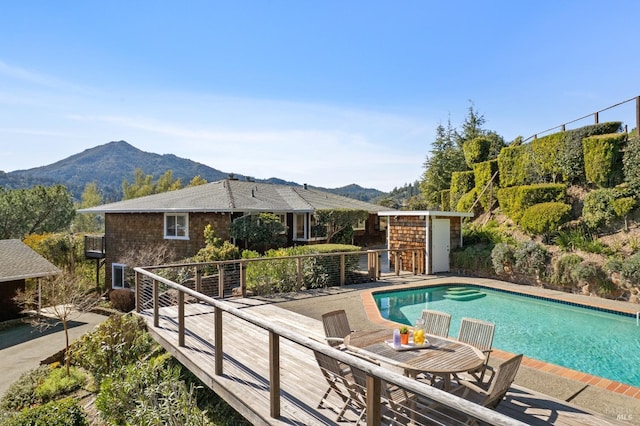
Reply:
x=595 y=342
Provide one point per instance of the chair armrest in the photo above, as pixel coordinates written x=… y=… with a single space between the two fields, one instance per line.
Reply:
x=334 y=339
x=470 y=386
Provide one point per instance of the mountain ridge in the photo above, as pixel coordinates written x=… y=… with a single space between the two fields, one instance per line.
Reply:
x=109 y=164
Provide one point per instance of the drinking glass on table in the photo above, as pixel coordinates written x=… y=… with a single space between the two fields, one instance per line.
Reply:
x=418 y=333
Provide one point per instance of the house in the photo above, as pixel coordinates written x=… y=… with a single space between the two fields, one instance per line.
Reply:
x=19 y=262
x=435 y=232
x=177 y=219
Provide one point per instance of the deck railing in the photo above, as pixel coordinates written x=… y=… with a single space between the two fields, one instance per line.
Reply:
x=291 y=273
x=165 y=292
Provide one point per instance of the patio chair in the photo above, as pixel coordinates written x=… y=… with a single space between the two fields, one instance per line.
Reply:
x=479 y=334
x=336 y=327
x=436 y=322
x=342 y=382
x=489 y=395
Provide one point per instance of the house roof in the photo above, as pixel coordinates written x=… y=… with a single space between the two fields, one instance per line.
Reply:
x=18 y=261
x=228 y=196
x=424 y=213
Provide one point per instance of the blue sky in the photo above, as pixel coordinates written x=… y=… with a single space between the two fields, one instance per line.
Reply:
x=326 y=93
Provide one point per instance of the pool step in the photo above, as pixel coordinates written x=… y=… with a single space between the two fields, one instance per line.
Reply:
x=463 y=293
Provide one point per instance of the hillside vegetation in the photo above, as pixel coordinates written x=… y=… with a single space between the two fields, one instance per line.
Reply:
x=560 y=211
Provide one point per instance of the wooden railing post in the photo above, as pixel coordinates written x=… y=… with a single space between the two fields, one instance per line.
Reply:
x=342 y=272
x=413 y=262
x=596 y=116
x=379 y=266
x=396 y=260
x=198 y=279
x=299 y=272
x=374 y=389
x=156 y=308
x=220 y=281
x=372 y=256
x=217 y=341
x=180 y=318
x=274 y=373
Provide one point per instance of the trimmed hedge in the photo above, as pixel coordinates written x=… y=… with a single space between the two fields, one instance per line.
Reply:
x=466 y=201
x=461 y=183
x=545 y=218
x=515 y=200
x=482 y=173
x=545 y=156
x=631 y=165
x=597 y=210
x=602 y=159
x=476 y=150
x=571 y=159
x=516 y=164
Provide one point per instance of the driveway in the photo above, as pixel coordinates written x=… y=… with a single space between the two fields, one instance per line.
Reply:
x=23 y=347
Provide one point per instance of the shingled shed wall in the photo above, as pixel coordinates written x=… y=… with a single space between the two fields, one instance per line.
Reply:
x=408 y=230
x=141 y=231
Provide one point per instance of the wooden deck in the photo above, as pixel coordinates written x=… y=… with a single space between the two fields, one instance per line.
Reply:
x=245 y=380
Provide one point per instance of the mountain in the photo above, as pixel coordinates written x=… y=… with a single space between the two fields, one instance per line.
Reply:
x=109 y=164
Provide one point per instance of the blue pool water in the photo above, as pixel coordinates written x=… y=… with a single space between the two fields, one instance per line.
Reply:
x=599 y=343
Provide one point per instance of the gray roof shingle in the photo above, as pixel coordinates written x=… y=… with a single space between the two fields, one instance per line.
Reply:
x=18 y=261
x=237 y=196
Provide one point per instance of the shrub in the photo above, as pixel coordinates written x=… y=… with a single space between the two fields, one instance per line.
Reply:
x=623 y=206
x=530 y=259
x=476 y=150
x=445 y=197
x=490 y=233
x=21 y=393
x=465 y=203
x=597 y=210
x=592 y=274
x=502 y=258
x=631 y=269
x=516 y=165
x=461 y=183
x=563 y=270
x=515 y=200
x=122 y=299
x=482 y=175
x=65 y=412
x=580 y=238
x=602 y=165
x=59 y=383
x=475 y=259
x=570 y=158
x=631 y=165
x=120 y=340
x=545 y=218
x=545 y=156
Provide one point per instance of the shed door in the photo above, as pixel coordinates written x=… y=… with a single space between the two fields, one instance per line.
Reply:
x=440 y=246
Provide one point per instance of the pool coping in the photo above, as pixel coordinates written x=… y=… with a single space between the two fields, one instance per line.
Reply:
x=626 y=308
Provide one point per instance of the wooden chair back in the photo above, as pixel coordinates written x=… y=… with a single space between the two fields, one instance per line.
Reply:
x=436 y=322
x=336 y=325
x=477 y=333
x=503 y=378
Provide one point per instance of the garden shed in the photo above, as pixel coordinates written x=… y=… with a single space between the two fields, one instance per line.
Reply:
x=436 y=232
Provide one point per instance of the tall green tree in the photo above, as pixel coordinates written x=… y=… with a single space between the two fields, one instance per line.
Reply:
x=36 y=210
x=446 y=157
x=144 y=185
x=89 y=222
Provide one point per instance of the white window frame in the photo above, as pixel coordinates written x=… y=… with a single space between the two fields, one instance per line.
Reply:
x=283 y=220
x=123 y=283
x=174 y=216
x=305 y=233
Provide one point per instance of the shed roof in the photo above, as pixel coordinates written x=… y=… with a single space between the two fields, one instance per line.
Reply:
x=237 y=196
x=424 y=213
x=18 y=261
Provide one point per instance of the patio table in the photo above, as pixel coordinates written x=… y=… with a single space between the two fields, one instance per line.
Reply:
x=442 y=357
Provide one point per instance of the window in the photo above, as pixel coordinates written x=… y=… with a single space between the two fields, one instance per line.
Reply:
x=176 y=226
x=283 y=220
x=117 y=276
x=361 y=225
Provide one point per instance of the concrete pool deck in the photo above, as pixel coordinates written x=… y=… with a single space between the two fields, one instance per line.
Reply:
x=613 y=399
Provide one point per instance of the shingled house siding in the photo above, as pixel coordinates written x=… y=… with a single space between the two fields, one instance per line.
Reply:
x=137 y=231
